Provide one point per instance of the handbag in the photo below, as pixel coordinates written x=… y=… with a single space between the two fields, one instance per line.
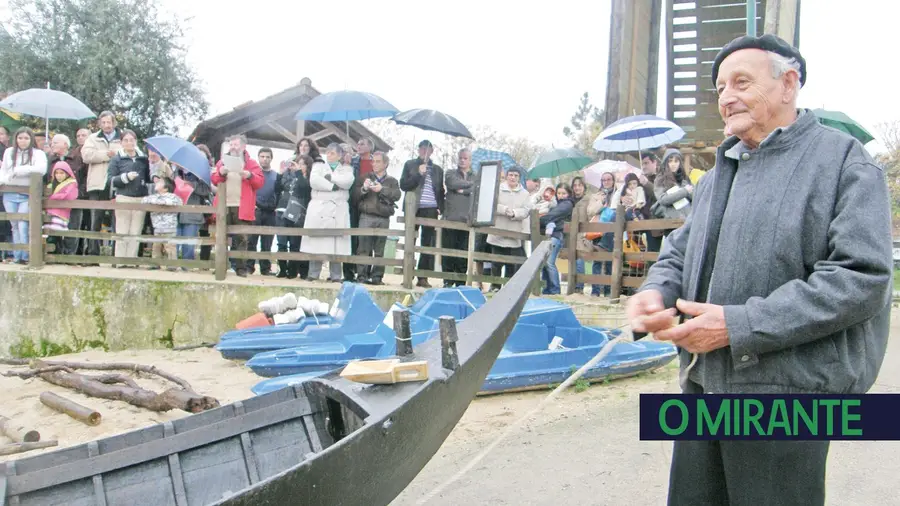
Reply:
x=631 y=246
x=294 y=211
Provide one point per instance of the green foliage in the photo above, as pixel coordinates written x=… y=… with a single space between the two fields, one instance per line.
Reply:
x=121 y=55
x=27 y=348
x=585 y=125
x=581 y=384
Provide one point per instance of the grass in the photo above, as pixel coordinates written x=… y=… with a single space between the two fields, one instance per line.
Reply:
x=896 y=280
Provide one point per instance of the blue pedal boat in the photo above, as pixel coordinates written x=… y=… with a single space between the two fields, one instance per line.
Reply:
x=354 y=313
x=325 y=351
x=525 y=363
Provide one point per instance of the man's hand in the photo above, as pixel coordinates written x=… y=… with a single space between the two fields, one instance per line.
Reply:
x=111 y=153
x=703 y=333
x=132 y=175
x=376 y=187
x=246 y=174
x=645 y=312
x=422 y=169
x=510 y=212
x=223 y=171
x=328 y=176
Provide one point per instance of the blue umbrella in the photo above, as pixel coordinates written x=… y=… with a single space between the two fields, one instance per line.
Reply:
x=436 y=121
x=345 y=106
x=635 y=133
x=183 y=153
x=483 y=155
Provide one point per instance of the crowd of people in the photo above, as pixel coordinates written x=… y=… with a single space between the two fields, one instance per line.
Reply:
x=339 y=188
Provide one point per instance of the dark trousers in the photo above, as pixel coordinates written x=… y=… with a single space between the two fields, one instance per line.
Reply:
x=654 y=244
x=239 y=241
x=205 y=250
x=290 y=268
x=97 y=216
x=497 y=268
x=426 y=261
x=263 y=219
x=371 y=246
x=458 y=240
x=70 y=244
x=5 y=232
x=350 y=268
x=739 y=473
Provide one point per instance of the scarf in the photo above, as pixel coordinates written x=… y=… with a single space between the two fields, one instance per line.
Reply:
x=334 y=165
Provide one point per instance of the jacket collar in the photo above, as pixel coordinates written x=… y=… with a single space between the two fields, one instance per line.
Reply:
x=778 y=138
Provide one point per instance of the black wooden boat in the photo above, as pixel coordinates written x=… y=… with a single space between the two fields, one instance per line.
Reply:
x=327 y=441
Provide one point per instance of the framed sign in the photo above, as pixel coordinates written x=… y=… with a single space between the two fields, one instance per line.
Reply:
x=484 y=196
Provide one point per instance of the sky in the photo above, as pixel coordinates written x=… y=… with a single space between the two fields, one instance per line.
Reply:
x=518 y=68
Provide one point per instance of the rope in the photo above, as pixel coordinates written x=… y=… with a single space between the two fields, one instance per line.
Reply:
x=607 y=348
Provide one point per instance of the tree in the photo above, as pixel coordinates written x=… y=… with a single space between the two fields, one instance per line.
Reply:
x=585 y=125
x=890 y=137
x=118 y=55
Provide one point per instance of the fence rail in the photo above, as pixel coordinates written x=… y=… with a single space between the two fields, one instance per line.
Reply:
x=220 y=230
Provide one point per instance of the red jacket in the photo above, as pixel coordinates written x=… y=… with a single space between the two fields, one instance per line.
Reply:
x=247 y=207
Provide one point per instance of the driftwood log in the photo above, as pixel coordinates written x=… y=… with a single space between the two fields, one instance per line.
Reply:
x=17 y=433
x=26 y=447
x=71 y=408
x=115 y=386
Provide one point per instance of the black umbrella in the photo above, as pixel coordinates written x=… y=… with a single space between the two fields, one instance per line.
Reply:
x=429 y=119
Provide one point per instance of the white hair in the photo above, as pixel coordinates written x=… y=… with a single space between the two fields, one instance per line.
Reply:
x=62 y=137
x=336 y=148
x=781 y=64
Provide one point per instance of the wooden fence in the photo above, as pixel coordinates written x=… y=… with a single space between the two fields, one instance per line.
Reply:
x=219 y=232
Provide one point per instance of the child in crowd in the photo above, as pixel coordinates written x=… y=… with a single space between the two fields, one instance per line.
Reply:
x=631 y=196
x=62 y=186
x=547 y=202
x=165 y=225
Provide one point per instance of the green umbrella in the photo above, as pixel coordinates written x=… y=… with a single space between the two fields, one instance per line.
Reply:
x=842 y=122
x=557 y=162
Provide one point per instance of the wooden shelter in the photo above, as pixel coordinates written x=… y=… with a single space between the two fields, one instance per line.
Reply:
x=270 y=122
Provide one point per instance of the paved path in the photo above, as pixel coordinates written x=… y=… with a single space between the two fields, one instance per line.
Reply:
x=584 y=450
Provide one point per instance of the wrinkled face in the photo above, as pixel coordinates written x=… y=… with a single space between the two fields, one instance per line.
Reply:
x=235 y=147
x=749 y=97
x=465 y=160
x=82 y=136
x=512 y=178
x=607 y=180
x=23 y=140
x=362 y=147
x=378 y=164
x=59 y=147
x=331 y=156
x=107 y=124
x=304 y=147
x=60 y=175
x=129 y=142
x=648 y=166
x=265 y=159
x=153 y=156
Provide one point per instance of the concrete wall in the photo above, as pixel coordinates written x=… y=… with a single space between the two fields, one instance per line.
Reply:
x=134 y=313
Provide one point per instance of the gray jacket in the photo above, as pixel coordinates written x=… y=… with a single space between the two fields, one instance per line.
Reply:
x=458 y=202
x=800 y=259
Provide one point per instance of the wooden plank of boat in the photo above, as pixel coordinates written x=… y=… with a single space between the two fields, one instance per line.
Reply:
x=326 y=441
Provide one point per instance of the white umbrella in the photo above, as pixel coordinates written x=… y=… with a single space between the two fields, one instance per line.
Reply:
x=594 y=172
x=47 y=103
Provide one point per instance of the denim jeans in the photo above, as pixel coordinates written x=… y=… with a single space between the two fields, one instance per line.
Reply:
x=18 y=203
x=549 y=272
x=187 y=230
x=579 y=269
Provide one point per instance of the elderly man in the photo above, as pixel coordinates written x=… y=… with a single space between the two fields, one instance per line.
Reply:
x=459 y=184
x=783 y=288
x=96 y=152
x=376 y=195
x=363 y=165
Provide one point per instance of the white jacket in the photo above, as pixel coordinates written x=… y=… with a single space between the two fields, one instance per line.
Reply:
x=19 y=175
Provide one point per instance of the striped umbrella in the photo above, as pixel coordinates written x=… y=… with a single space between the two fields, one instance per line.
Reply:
x=635 y=133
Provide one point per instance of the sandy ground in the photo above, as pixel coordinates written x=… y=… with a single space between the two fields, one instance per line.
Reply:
x=581 y=449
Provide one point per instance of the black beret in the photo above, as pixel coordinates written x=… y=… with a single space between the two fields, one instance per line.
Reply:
x=767 y=42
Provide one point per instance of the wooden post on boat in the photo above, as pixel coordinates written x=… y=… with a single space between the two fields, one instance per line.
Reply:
x=35 y=221
x=221 y=265
x=16 y=433
x=409 y=240
x=536 y=240
x=404 y=335
x=618 y=240
x=71 y=408
x=449 y=356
